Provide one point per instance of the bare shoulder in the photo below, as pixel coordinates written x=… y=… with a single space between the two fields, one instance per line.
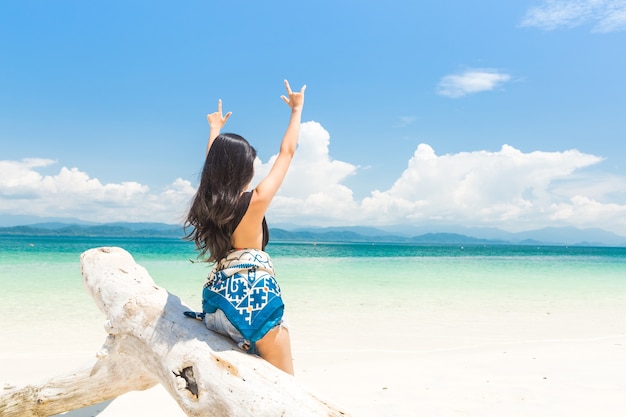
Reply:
x=259 y=202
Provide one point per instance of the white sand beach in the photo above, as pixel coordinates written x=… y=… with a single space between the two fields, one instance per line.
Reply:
x=565 y=359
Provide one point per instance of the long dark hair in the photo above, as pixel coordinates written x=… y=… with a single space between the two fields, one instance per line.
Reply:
x=228 y=168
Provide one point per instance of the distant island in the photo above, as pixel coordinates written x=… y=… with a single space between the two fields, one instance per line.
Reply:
x=100 y=230
x=550 y=236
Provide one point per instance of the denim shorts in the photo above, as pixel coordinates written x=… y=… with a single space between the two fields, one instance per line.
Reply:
x=218 y=322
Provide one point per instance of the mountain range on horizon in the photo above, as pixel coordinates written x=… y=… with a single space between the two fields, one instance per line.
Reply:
x=293 y=233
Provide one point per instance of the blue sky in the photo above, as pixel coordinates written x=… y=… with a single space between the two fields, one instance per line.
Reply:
x=481 y=114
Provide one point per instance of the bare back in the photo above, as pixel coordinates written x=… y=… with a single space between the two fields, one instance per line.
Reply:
x=249 y=233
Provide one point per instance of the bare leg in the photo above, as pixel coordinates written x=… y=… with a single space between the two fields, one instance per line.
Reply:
x=275 y=347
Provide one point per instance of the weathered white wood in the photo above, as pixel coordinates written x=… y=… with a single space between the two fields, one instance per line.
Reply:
x=89 y=385
x=150 y=341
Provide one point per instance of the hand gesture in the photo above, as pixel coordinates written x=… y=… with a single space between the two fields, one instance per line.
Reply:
x=294 y=100
x=215 y=119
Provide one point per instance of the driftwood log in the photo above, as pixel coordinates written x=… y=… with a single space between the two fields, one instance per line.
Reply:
x=151 y=342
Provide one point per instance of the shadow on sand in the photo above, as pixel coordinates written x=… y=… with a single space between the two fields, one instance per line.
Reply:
x=89 y=411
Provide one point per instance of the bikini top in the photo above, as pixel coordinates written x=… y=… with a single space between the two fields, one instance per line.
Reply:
x=240 y=211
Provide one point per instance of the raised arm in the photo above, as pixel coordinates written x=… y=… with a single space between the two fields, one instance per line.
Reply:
x=216 y=122
x=268 y=187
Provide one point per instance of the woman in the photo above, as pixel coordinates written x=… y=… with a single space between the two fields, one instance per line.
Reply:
x=241 y=298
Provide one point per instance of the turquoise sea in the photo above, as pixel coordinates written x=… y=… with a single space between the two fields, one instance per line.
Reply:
x=421 y=324
x=346 y=284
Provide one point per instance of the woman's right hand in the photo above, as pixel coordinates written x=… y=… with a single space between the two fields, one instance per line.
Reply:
x=294 y=100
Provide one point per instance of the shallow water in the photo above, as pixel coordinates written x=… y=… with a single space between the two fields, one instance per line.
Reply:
x=348 y=284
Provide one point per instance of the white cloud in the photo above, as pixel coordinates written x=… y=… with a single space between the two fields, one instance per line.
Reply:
x=470 y=82
x=72 y=193
x=404 y=121
x=604 y=15
x=508 y=188
x=19 y=178
x=313 y=184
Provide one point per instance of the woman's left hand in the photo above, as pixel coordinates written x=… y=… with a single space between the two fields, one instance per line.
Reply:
x=215 y=119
